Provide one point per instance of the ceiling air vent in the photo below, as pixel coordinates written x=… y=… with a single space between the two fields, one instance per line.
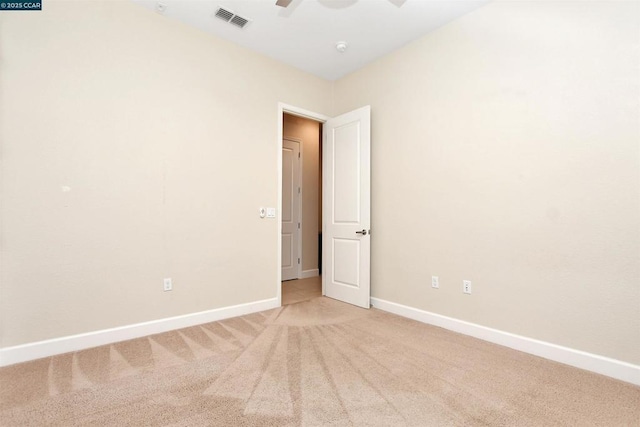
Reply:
x=230 y=17
x=224 y=14
x=239 y=21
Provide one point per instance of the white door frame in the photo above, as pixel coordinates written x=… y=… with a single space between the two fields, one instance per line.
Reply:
x=301 y=112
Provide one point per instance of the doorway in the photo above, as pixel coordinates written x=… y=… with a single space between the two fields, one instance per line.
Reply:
x=346 y=203
x=301 y=208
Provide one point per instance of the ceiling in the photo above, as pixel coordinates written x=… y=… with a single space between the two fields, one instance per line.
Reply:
x=305 y=34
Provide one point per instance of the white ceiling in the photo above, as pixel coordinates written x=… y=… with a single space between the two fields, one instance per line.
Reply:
x=304 y=35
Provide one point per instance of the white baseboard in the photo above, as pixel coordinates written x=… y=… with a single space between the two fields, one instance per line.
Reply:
x=40 y=349
x=591 y=362
x=306 y=274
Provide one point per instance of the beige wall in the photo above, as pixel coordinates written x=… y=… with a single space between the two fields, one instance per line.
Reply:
x=506 y=151
x=145 y=120
x=308 y=132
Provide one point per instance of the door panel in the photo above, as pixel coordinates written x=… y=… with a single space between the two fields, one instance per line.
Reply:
x=287 y=251
x=346 y=154
x=290 y=208
x=347 y=207
x=287 y=184
x=346 y=272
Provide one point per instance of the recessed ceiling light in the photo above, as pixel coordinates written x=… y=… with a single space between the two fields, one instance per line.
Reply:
x=341 y=46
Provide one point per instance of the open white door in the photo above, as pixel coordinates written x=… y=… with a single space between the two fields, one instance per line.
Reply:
x=346 y=241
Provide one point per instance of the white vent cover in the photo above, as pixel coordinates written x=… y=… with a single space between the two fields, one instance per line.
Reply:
x=230 y=17
x=239 y=21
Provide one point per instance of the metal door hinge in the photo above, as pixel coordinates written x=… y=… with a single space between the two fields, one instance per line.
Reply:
x=298 y=260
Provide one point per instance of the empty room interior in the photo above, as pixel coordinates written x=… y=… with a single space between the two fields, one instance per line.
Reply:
x=320 y=212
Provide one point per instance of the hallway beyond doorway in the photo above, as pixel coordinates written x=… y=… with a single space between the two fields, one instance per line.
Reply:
x=294 y=291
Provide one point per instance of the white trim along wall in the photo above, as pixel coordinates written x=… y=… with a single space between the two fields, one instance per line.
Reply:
x=40 y=349
x=306 y=274
x=591 y=362
x=580 y=359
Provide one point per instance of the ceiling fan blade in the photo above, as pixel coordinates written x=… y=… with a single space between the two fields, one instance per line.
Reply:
x=283 y=3
x=286 y=12
x=398 y=3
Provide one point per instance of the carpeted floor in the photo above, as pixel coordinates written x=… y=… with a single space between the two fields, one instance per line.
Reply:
x=319 y=362
x=294 y=291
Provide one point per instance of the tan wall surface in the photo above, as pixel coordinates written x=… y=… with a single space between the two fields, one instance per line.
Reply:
x=160 y=132
x=506 y=152
x=307 y=131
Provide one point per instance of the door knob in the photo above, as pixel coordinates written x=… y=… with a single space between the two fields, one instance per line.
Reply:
x=363 y=232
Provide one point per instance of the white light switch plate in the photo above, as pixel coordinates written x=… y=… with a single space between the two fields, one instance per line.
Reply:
x=271 y=212
x=466 y=286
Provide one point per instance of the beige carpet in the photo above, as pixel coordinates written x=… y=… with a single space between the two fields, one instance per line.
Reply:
x=318 y=362
x=294 y=291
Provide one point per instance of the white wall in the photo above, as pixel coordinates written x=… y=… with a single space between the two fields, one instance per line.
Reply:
x=505 y=150
x=145 y=120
